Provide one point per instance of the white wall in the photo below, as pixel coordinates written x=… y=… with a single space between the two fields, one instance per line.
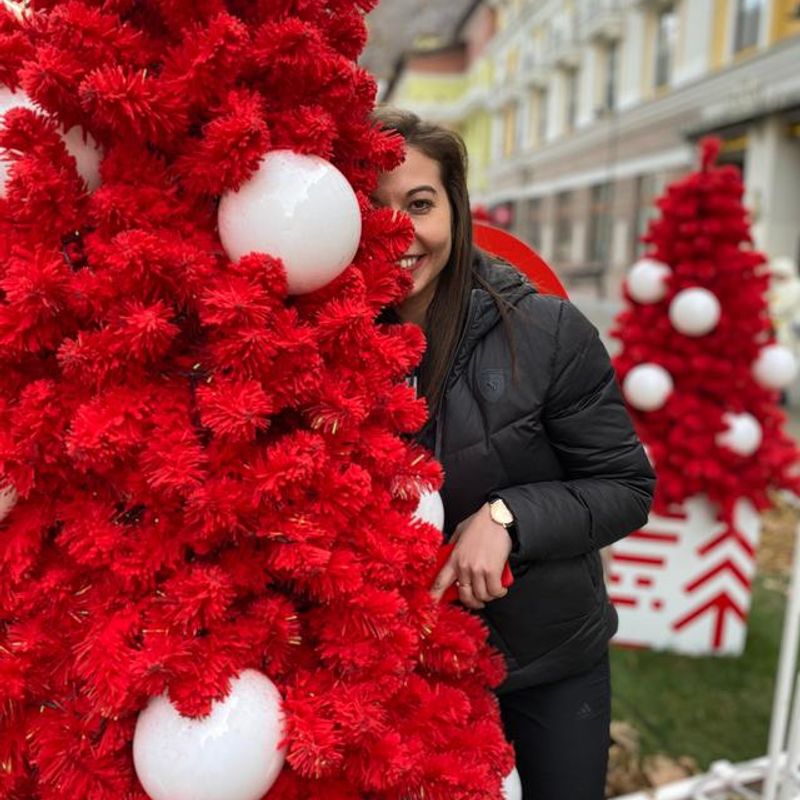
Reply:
x=555 y=106
x=589 y=75
x=632 y=59
x=772 y=178
x=696 y=39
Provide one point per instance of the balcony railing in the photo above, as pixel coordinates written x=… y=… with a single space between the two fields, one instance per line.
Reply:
x=562 y=46
x=534 y=70
x=600 y=19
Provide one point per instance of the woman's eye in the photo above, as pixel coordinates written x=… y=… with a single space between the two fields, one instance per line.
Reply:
x=420 y=205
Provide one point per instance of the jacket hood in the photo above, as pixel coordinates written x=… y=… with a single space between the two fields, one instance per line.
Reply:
x=483 y=313
x=504 y=278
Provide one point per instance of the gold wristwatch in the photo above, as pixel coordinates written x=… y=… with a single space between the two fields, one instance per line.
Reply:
x=501 y=513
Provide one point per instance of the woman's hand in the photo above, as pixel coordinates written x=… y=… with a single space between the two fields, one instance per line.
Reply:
x=482 y=547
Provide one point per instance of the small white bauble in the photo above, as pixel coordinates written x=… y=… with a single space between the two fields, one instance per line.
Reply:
x=298 y=208
x=775 y=367
x=232 y=754
x=512 y=786
x=9 y=100
x=8 y=499
x=647 y=280
x=86 y=153
x=430 y=509
x=743 y=434
x=647 y=387
x=694 y=312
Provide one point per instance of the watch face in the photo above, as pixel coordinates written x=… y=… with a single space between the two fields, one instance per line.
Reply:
x=501 y=513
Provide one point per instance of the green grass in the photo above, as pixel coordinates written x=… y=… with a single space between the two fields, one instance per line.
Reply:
x=708 y=708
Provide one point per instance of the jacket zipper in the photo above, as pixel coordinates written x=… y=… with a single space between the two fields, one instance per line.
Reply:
x=440 y=408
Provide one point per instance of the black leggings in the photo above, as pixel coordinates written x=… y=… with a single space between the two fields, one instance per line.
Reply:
x=560 y=733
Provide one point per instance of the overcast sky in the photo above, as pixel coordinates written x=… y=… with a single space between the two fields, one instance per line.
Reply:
x=396 y=24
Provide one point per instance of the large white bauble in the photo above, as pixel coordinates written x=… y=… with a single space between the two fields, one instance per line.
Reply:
x=232 y=754
x=430 y=509
x=512 y=786
x=775 y=367
x=86 y=152
x=694 y=312
x=9 y=99
x=743 y=434
x=8 y=499
x=647 y=387
x=298 y=208
x=647 y=280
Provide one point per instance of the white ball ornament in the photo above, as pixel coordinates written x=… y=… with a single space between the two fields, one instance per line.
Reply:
x=512 y=786
x=9 y=100
x=8 y=499
x=430 y=509
x=87 y=155
x=232 y=754
x=743 y=434
x=298 y=208
x=83 y=149
x=647 y=387
x=647 y=280
x=694 y=312
x=775 y=368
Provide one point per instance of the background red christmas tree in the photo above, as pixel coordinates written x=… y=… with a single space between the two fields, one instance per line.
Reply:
x=211 y=475
x=702 y=240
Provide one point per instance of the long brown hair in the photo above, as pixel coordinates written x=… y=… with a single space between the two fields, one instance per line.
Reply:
x=447 y=311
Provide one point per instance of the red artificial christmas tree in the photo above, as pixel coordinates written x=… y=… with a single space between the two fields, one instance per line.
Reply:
x=700 y=372
x=202 y=474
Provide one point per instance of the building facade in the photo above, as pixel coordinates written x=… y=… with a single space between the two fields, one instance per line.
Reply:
x=577 y=113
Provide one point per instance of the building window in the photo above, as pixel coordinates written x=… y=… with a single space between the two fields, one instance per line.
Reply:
x=541 y=122
x=748 y=24
x=512 y=65
x=509 y=130
x=666 y=35
x=571 y=91
x=648 y=189
x=533 y=118
x=523 y=135
x=533 y=220
x=611 y=68
x=563 y=244
x=601 y=223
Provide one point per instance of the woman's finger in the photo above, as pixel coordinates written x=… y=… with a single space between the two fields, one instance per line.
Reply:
x=466 y=596
x=479 y=588
x=445 y=578
x=494 y=585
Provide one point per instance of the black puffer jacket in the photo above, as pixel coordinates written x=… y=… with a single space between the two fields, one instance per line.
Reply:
x=558 y=446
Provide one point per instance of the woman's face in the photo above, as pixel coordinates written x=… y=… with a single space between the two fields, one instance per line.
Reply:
x=416 y=188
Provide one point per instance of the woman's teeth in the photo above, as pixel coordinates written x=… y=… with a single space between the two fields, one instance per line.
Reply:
x=406 y=262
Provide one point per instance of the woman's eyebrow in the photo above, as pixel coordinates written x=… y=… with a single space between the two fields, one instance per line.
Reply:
x=424 y=188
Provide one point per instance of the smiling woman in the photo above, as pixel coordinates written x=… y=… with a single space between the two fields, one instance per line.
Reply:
x=416 y=188
x=542 y=466
x=436 y=161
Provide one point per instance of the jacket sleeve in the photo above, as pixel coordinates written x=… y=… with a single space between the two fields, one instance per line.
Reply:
x=608 y=485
